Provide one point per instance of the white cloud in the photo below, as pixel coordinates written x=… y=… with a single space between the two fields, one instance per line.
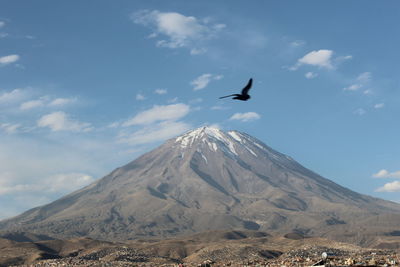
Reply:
x=160 y=91
x=297 y=43
x=32 y=104
x=153 y=133
x=386 y=174
x=8 y=59
x=59 y=183
x=59 y=121
x=179 y=30
x=197 y=51
x=361 y=80
x=311 y=75
x=115 y=124
x=368 y=92
x=379 y=105
x=11 y=96
x=44 y=101
x=159 y=113
x=2 y=24
x=390 y=187
x=218 y=107
x=203 y=80
x=62 y=101
x=342 y=59
x=320 y=58
x=67 y=182
x=10 y=128
x=140 y=97
x=244 y=117
x=360 y=111
x=364 y=77
x=353 y=87
x=173 y=100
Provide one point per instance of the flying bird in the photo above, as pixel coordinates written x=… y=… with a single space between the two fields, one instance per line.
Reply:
x=244 y=96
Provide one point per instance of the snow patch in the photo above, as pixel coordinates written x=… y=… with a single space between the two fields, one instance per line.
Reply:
x=188 y=138
x=215 y=147
x=212 y=146
x=251 y=151
x=259 y=146
x=204 y=157
x=219 y=135
x=235 y=136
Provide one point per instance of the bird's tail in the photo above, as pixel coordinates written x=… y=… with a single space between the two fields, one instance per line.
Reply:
x=227 y=96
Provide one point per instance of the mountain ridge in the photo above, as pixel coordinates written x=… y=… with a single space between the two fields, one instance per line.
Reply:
x=207 y=179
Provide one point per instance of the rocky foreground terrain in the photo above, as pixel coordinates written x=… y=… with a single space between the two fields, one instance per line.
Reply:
x=214 y=248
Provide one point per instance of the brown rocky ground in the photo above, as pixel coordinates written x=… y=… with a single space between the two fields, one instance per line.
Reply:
x=221 y=248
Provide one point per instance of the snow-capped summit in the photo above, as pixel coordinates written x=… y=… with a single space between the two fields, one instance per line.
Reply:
x=233 y=143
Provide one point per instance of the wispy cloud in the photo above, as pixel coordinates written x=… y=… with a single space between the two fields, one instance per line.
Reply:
x=311 y=75
x=379 y=105
x=140 y=97
x=154 y=133
x=10 y=128
x=177 y=29
x=321 y=58
x=219 y=107
x=368 y=92
x=2 y=24
x=197 y=51
x=5 y=60
x=360 y=111
x=160 y=91
x=11 y=96
x=45 y=101
x=361 y=81
x=154 y=124
x=386 y=174
x=353 y=87
x=297 y=43
x=159 y=113
x=172 y=100
x=244 y=117
x=341 y=59
x=60 y=121
x=390 y=187
x=59 y=183
x=364 y=77
x=62 y=102
x=32 y=104
x=203 y=80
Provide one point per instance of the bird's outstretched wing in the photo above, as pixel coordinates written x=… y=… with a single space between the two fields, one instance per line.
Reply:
x=246 y=89
x=229 y=96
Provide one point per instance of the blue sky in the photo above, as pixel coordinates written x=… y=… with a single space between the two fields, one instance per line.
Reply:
x=77 y=78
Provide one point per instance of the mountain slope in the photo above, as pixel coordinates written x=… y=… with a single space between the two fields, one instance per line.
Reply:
x=208 y=179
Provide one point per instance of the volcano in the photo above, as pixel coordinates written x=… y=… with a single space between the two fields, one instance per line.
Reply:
x=209 y=179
